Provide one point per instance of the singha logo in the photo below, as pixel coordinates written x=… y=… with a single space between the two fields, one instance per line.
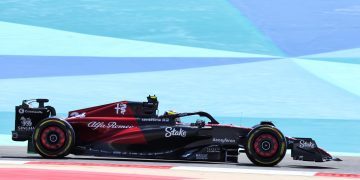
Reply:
x=26 y=122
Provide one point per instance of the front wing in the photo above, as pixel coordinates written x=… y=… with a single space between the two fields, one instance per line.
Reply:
x=306 y=149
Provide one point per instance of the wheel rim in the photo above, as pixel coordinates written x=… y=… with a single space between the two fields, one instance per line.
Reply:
x=53 y=138
x=266 y=145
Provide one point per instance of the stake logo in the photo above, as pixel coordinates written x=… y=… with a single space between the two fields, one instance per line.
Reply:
x=169 y=132
x=307 y=145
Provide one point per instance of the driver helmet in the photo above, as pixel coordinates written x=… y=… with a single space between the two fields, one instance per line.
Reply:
x=172 y=112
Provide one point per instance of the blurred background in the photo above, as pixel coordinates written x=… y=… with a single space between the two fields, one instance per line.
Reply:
x=296 y=63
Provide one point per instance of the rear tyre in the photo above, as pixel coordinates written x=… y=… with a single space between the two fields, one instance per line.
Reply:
x=265 y=146
x=53 y=138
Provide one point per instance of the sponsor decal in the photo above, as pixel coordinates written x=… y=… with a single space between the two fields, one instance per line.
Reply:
x=22 y=111
x=25 y=121
x=33 y=112
x=170 y=131
x=130 y=153
x=213 y=149
x=104 y=151
x=73 y=114
x=120 y=108
x=223 y=140
x=201 y=156
x=155 y=119
x=110 y=125
x=26 y=124
x=77 y=115
x=307 y=145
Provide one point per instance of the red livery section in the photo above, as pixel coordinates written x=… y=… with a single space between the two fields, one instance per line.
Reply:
x=118 y=109
x=135 y=130
x=127 y=136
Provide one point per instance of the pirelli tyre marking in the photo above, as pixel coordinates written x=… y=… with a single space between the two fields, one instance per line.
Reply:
x=53 y=138
x=266 y=146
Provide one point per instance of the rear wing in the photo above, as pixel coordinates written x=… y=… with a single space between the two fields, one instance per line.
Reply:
x=27 y=117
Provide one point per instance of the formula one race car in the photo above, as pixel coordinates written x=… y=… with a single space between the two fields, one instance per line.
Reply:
x=134 y=130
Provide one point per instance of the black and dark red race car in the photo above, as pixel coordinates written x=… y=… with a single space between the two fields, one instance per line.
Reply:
x=135 y=130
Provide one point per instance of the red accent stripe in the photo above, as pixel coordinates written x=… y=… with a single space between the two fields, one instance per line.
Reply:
x=342 y=175
x=122 y=119
x=41 y=174
x=99 y=164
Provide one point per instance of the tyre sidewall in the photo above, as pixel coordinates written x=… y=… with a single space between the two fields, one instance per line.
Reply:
x=265 y=161
x=69 y=138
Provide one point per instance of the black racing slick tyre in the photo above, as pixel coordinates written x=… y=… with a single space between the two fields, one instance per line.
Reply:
x=53 y=138
x=265 y=146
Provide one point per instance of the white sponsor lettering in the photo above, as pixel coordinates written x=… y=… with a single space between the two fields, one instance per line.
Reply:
x=74 y=114
x=22 y=111
x=212 y=149
x=224 y=140
x=77 y=115
x=110 y=125
x=120 y=107
x=155 y=120
x=21 y=128
x=201 y=156
x=173 y=132
x=151 y=120
x=305 y=144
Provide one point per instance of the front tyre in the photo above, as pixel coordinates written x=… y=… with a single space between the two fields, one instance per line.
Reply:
x=265 y=146
x=53 y=138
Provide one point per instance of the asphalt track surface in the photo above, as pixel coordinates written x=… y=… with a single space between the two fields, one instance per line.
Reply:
x=350 y=165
